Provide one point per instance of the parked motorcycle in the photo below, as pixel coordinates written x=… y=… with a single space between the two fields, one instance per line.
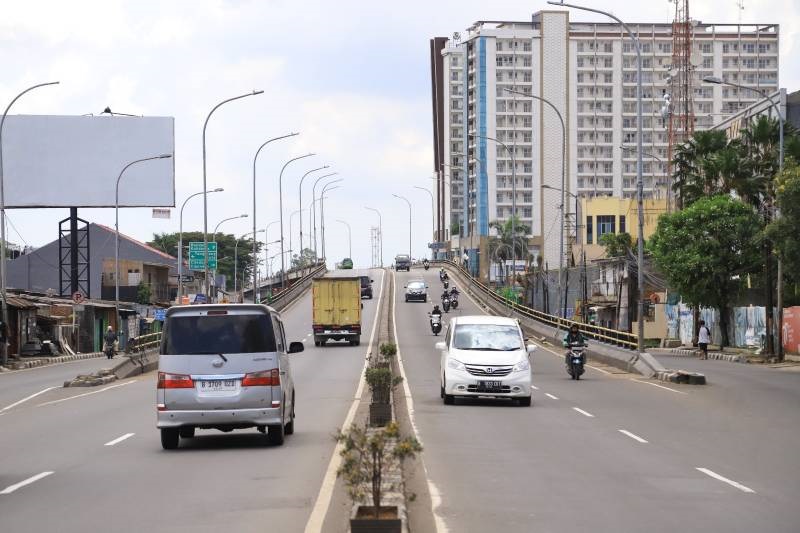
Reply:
x=575 y=360
x=436 y=323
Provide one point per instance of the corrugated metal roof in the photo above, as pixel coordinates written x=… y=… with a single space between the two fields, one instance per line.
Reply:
x=20 y=303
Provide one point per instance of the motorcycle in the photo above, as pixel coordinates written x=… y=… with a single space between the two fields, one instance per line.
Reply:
x=436 y=323
x=426 y=265
x=442 y=276
x=575 y=360
x=445 y=302
x=454 y=300
x=446 y=284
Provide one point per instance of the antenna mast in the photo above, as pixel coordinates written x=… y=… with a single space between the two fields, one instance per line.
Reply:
x=681 y=115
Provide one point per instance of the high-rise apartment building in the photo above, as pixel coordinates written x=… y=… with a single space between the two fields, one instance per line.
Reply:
x=588 y=72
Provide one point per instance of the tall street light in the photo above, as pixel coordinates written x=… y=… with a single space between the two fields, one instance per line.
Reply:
x=513 y=204
x=300 y=193
x=322 y=198
x=3 y=265
x=563 y=189
x=560 y=293
x=243 y=215
x=639 y=155
x=266 y=247
x=770 y=327
x=291 y=248
x=116 y=228
x=313 y=211
x=236 y=262
x=380 y=229
x=409 y=222
x=205 y=188
x=255 y=246
x=280 y=201
x=180 y=242
x=349 y=239
x=433 y=217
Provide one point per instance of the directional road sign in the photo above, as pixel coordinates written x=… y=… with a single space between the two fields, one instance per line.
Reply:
x=197 y=257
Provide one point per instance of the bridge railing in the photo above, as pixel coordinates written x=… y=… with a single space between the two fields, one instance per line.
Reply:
x=623 y=339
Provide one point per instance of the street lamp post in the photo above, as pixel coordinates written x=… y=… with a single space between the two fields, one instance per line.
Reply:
x=243 y=215
x=327 y=187
x=266 y=246
x=433 y=215
x=639 y=155
x=291 y=249
x=513 y=204
x=563 y=189
x=409 y=222
x=718 y=81
x=280 y=201
x=314 y=212
x=116 y=229
x=3 y=263
x=380 y=229
x=349 y=239
x=236 y=263
x=180 y=242
x=255 y=248
x=300 y=194
x=205 y=189
x=566 y=290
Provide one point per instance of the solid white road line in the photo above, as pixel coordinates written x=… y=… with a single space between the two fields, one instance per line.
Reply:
x=6 y=408
x=599 y=369
x=631 y=435
x=87 y=393
x=323 y=501
x=584 y=413
x=551 y=396
x=730 y=482
x=37 y=477
x=119 y=439
x=659 y=386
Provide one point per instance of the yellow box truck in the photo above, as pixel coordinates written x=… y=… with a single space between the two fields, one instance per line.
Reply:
x=336 y=309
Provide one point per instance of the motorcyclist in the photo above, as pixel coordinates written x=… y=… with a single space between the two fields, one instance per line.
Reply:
x=454 y=291
x=573 y=336
x=110 y=337
x=436 y=310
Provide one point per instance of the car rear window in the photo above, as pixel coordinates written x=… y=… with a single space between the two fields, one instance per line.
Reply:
x=194 y=335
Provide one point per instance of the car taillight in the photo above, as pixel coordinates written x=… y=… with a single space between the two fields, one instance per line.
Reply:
x=265 y=378
x=174 y=381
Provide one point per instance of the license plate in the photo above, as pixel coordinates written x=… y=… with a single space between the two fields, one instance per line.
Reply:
x=490 y=385
x=217 y=385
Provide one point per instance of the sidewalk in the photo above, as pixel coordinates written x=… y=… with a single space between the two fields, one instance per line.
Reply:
x=36 y=361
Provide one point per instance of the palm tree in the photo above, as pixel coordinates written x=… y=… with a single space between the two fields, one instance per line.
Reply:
x=696 y=170
x=502 y=244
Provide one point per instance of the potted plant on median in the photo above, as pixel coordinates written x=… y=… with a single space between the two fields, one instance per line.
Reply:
x=368 y=456
x=381 y=382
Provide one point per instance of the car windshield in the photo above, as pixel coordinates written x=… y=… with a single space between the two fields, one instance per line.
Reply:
x=487 y=337
x=195 y=335
x=416 y=285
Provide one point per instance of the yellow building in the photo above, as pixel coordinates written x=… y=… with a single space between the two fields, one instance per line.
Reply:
x=602 y=215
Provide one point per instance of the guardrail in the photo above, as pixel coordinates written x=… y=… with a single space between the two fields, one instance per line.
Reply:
x=299 y=285
x=144 y=343
x=623 y=339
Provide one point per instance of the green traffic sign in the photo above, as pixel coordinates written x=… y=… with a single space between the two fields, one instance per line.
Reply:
x=197 y=257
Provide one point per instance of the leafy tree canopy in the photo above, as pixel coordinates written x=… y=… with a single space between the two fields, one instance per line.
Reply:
x=616 y=244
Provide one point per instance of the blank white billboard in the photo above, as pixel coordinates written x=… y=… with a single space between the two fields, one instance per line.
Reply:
x=67 y=161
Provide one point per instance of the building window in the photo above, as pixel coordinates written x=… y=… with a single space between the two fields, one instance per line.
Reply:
x=622 y=223
x=605 y=224
x=589 y=230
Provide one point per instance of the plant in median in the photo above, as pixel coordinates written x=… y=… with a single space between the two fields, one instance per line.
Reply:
x=388 y=349
x=368 y=455
x=381 y=381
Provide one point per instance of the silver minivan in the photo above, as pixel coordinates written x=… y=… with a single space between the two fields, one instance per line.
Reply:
x=224 y=367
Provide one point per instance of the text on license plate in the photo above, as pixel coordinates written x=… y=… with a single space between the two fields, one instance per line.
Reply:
x=490 y=384
x=217 y=385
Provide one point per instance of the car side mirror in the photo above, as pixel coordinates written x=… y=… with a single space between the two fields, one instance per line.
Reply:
x=295 y=347
x=531 y=348
x=441 y=346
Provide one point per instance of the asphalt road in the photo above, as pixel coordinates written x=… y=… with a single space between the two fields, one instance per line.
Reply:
x=716 y=458
x=215 y=482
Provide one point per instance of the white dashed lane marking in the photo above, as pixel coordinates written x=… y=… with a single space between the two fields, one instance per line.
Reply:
x=551 y=396
x=119 y=439
x=730 y=482
x=33 y=479
x=631 y=435
x=584 y=413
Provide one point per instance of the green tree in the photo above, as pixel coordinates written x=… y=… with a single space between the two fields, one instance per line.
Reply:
x=226 y=246
x=143 y=293
x=500 y=246
x=706 y=249
x=784 y=231
x=616 y=244
x=306 y=258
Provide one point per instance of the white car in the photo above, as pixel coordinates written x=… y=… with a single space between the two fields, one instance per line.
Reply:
x=485 y=356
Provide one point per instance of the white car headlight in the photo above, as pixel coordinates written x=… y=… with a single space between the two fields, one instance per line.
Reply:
x=455 y=364
x=522 y=366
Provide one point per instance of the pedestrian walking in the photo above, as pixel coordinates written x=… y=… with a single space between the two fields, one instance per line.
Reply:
x=110 y=338
x=465 y=260
x=703 y=339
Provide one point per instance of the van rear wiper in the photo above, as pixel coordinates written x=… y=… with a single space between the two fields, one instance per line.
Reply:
x=223 y=357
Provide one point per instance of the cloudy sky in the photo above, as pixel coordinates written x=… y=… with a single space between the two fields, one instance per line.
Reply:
x=351 y=76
